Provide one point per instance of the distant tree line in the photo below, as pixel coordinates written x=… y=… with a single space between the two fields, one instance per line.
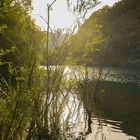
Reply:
x=109 y=37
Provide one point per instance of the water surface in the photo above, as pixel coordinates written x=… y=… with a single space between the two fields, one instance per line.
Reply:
x=116 y=116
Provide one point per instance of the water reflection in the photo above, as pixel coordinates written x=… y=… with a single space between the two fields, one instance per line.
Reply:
x=101 y=109
x=107 y=130
x=109 y=74
x=115 y=115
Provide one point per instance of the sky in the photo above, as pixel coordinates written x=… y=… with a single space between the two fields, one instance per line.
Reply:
x=60 y=17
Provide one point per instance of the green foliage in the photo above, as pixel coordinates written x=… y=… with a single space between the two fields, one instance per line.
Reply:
x=109 y=37
x=20 y=39
x=21 y=44
x=32 y=98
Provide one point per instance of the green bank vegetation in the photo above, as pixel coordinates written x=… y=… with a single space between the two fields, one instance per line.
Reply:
x=109 y=37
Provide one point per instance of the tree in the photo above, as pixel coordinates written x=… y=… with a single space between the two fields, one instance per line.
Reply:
x=111 y=34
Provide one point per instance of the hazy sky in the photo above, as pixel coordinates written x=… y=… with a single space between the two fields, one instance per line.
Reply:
x=60 y=16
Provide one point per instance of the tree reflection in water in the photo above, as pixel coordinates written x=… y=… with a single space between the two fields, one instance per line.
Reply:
x=111 y=110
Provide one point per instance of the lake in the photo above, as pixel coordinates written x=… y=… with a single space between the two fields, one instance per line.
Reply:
x=116 y=114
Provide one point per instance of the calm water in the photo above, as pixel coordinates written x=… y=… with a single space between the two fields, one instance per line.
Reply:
x=116 y=116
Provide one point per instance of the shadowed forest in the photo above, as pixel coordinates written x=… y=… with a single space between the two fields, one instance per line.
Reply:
x=109 y=37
